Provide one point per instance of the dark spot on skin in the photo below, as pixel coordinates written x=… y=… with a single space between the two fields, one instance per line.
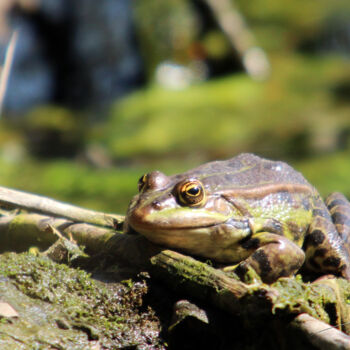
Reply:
x=306 y=204
x=268 y=165
x=245 y=239
x=295 y=229
x=320 y=252
x=241 y=270
x=335 y=202
x=314 y=264
x=262 y=259
x=252 y=243
x=284 y=273
x=340 y=218
x=331 y=261
x=315 y=238
x=319 y=212
x=270 y=225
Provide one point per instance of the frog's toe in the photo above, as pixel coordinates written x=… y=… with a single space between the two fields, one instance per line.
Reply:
x=247 y=273
x=244 y=272
x=229 y=268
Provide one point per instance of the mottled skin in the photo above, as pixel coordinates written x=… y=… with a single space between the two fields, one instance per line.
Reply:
x=247 y=211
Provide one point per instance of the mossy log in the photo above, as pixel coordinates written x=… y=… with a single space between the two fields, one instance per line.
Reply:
x=286 y=296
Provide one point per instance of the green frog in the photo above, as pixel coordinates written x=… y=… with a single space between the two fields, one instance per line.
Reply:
x=247 y=212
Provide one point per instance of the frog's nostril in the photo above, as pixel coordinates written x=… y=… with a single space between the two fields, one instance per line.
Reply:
x=156 y=205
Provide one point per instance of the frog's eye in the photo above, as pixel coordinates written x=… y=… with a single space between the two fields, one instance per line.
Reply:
x=141 y=184
x=191 y=193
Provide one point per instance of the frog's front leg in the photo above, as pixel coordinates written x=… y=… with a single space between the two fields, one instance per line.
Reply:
x=273 y=256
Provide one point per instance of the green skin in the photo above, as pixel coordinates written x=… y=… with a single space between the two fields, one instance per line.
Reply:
x=252 y=212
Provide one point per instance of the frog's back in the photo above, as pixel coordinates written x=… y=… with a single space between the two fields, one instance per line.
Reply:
x=247 y=171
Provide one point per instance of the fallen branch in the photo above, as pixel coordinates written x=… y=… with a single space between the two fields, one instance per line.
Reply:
x=19 y=231
x=39 y=204
x=200 y=280
x=288 y=296
x=320 y=334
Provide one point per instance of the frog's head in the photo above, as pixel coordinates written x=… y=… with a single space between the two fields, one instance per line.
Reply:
x=184 y=211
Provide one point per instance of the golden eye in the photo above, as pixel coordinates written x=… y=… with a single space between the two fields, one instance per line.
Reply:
x=141 y=184
x=191 y=193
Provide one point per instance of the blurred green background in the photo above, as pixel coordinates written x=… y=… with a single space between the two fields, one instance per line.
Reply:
x=299 y=112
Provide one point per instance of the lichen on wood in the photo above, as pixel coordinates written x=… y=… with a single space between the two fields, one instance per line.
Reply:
x=64 y=308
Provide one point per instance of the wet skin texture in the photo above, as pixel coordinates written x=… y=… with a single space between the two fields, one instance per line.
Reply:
x=248 y=212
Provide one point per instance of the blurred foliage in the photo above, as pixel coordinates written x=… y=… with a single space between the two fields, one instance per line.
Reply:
x=294 y=20
x=111 y=190
x=328 y=173
x=165 y=30
x=294 y=113
x=277 y=26
x=53 y=131
x=69 y=181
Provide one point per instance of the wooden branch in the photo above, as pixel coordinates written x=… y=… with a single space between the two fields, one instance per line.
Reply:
x=19 y=231
x=320 y=334
x=288 y=296
x=205 y=282
x=39 y=204
x=242 y=40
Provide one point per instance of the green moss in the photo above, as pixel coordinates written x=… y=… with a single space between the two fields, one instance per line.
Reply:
x=297 y=297
x=102 y=311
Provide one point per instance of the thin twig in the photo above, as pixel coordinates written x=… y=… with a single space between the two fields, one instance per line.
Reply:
x=241 y=38
x=43 y=205
x=5 y=73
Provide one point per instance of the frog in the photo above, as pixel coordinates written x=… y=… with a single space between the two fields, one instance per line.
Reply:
x=247 y=213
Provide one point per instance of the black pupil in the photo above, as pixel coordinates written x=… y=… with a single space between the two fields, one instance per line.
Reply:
x=193 y=191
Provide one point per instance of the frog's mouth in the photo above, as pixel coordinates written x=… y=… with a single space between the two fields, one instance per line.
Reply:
x=172 y=220
x=214 y=241
x=192 y=234
x=131 y=230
